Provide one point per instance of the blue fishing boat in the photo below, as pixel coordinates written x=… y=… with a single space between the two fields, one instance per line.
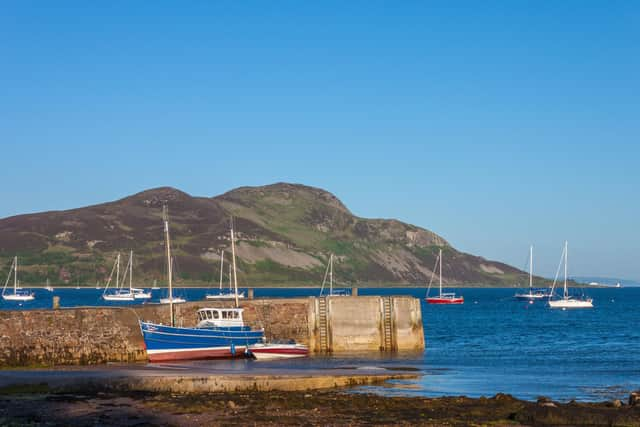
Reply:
x=220 y=332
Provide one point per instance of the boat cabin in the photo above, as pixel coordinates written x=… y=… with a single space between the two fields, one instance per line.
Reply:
x=225 y=317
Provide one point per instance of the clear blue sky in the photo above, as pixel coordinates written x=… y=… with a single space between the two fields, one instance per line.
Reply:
x=495 y=124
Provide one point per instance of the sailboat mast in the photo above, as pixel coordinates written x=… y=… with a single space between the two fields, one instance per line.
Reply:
x=440 y=270
x=566 y=261
x=531 y=270
x=221 y=267
x=165 y=218
x=233 y=256
x=15 y=274
x=131 y=271
x=331 y=274
x=118 y=271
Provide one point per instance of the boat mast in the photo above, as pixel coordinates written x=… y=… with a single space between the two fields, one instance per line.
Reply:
x=118 y=271
x=331 y=274
x=233 y=256
x=165 y=218
x=221 y=267
x=440 y=270
x=15 y=275
x=566 y=261
x=531 y=270
x=131 y=272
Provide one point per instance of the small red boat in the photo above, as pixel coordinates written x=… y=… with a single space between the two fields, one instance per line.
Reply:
x=444 y=297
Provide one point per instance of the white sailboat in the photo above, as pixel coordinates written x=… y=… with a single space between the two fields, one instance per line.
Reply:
x=138 y=293
x=329 y=274
x=48 y=287
x=567 y=301
x=170 y=299
x=120 y=293
x=533 y=294
x=229 y=294
x=18 y=294
x=155 y=286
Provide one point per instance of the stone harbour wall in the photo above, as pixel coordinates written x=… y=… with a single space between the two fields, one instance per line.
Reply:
x=96 y=335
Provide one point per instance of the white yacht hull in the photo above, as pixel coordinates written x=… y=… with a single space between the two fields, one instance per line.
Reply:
x=225 y=296
x=126 y=297
x=142 y=295
x=175 y=300
x=571 y=303
x=18 y=297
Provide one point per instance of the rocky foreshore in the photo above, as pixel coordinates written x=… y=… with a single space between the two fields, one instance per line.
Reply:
x=38 y=406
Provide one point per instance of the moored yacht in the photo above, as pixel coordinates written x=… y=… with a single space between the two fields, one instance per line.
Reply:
x=443 y=297
x=568 y=301
x=18 y=294
x=533 y=293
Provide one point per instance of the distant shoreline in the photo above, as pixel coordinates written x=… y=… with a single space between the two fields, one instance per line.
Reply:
x=361 y=286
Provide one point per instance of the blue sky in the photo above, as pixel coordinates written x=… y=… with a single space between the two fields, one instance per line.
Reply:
x=494 y=124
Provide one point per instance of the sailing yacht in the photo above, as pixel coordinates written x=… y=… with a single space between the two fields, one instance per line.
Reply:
x=224 y=295
x=533 y=294
x=18 y=294
x=48 y=287
x=119 y=293
x=170 y=299
x=567 y=301
x=329 y=273
x=443 y=297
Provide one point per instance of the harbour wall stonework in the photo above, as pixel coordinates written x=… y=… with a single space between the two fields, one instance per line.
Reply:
x=95 y=335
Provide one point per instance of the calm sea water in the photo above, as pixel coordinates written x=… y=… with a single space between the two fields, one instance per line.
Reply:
x=490 y=344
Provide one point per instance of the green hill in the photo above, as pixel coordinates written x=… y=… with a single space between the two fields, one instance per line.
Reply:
x=285 y=233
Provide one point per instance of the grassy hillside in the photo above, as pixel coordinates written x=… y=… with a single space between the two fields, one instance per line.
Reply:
x=285 y=233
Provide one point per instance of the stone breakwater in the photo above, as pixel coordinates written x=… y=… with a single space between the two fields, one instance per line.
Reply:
x=95 y=335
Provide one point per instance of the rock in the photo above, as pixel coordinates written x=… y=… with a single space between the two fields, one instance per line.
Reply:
x=548 y=404
x=231 y=404
x=502 y=397
x=634 y=398
x=543 y=399
x=617 y=403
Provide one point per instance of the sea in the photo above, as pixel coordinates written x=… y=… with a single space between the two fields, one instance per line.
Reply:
x=493 y=343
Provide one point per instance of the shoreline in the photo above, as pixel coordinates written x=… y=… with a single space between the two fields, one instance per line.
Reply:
x=364 y=286
x=37 y=405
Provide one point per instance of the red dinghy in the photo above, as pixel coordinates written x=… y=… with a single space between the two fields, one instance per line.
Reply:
x=444 y=297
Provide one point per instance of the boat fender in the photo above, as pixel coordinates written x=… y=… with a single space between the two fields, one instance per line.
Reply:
x=233 y=349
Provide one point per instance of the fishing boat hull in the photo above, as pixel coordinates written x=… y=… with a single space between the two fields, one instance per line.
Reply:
x=278 y=351
x=445 y=300
x=166 y=343
x=571 y=303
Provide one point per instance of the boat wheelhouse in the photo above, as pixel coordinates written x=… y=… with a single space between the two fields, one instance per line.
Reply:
x=220 y=318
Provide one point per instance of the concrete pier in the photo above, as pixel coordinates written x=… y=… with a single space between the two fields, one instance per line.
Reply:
x=95 y=335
